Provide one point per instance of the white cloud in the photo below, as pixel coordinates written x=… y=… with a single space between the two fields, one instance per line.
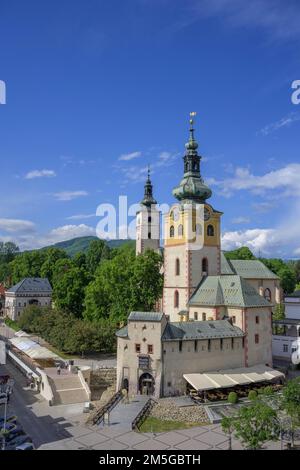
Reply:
x=16 y=225
x=69 y=195
x=40 y=174
x=130 y=156
x=284 y=122
x=241 y=220
x=81 y=216
x=256 y=239
x=279 y=19
x=67 y=232
x=285 y=179
x=165 y=159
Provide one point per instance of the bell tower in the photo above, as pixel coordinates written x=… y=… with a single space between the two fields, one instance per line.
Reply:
x=192 y=236
x=147 y=221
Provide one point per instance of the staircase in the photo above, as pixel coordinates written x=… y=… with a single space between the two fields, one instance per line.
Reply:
x=67 y=389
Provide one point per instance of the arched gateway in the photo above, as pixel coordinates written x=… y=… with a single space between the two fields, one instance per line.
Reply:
x=146 y=384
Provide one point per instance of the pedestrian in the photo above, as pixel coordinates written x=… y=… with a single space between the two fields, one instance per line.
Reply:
x=58 y=370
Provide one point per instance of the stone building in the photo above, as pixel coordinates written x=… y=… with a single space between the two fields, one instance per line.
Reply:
x=29 y=291
x=217 y=314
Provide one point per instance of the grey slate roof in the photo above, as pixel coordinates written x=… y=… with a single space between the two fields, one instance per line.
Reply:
x=145 y=316
x=123 y=332
x=227 y=290
x=248 y=269
x=192 y=330
x=32 y=285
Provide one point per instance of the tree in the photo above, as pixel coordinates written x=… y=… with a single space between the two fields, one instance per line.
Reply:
x=29 y=318
x=27 y=264
x=69 y=283
x=291 y=403
x=227 y=424
x=8 y=251
x=123 y=284
x=241 y=253
x=97 y=252
x=256 y=424
x=51 y=256
x=287 y=279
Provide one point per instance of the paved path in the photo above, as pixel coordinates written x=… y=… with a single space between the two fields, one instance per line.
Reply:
x=123 y=414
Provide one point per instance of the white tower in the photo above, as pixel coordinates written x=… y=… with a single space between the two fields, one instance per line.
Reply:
x=147 y=222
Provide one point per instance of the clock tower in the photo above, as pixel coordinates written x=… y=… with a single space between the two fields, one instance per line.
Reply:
x=192 y=236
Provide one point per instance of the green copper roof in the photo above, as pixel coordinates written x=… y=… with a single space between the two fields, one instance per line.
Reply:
x=148 y=199
x=192 y=330
x=248 y=269
x=227 y=290
x=192 y=186
x=145 y=316
x=123 y=332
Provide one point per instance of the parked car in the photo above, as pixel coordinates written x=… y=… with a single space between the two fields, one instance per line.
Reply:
x=25 y=446
x=17 y=441
x=3 y=398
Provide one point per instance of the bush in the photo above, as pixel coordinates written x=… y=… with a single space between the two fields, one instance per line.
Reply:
x=232 y=398
x=252 y=395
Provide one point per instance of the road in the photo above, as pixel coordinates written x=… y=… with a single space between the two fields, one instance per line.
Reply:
x=41 y=422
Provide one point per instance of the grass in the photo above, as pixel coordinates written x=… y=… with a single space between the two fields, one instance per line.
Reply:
x=12 y=324
x=152 y=424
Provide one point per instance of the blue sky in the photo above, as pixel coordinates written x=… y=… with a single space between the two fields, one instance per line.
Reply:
x=97 y=90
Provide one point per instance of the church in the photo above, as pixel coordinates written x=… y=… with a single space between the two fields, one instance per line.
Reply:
x=215 y=314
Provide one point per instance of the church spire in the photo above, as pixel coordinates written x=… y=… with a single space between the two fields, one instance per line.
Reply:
x=148 y=200
x=192 y=186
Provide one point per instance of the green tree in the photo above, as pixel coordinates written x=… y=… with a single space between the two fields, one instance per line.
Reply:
x=240 y=253
x=287 y=279
x=291 y=403
x=279 y=313
x=97 y=252
x=256 y=424
x=227 y=424
x=29 y=319
x=27 y=264
x=69 y=283
x=51 y=256
x=8 y=251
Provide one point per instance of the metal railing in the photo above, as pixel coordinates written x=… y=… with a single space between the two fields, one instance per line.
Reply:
x=99 y=416
x=143 y=414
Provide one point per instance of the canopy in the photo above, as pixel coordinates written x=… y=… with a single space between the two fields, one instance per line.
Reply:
x=32 y=349
x=231 y=377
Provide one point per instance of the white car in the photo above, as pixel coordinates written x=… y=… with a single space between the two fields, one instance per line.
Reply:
x=25 y=446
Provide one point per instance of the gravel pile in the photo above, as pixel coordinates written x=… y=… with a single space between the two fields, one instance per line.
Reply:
x=167 y=410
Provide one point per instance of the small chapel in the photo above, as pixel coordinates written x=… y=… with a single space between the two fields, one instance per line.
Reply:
x=214 y=324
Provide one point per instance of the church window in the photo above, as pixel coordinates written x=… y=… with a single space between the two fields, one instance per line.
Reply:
x=233 y=318
x=149 y=235
x=169 y=384
x=203 y=316
x=138 y=348
x=180 y=230
x=176 y=299
x=221 y=343
x=177 y=268
x=257 y=319
x=210 y=231
x=232 y=343
x=204 y=266
x=180 y=346
x=267 y=294
x=209 y=345
x=256 y=339
x=195 y=345
x=172 y=231
x=195 y=316
x=150 y=348
x=149 y=218
x=172 y=215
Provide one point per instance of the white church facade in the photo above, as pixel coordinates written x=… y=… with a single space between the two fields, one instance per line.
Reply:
x=215 y=314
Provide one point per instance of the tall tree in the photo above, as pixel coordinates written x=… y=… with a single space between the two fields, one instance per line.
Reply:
x=51 y=256
x=97 y=252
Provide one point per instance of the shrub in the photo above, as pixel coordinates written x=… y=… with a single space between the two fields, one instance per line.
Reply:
x=232 y=398
x=252 y=395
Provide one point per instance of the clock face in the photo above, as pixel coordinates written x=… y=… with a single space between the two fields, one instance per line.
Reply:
x=206 y=214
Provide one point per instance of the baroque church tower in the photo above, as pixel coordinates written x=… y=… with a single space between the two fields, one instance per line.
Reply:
x=147 y=221
x=192 y=247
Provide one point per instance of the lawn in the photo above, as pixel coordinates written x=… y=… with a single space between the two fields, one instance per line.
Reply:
x=152 y=424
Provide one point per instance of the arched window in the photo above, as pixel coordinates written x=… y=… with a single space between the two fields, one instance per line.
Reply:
x=149 y=219
x=210 y=231
x=172 y=215
x=203 y=316
x=267 y=294
x=176 y=299
x=177 y=267
x=149 y=235
x=172 y=231
x=204 y=266
x=180 y=230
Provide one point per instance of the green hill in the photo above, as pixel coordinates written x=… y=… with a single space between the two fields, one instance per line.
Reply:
x=81 y=244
